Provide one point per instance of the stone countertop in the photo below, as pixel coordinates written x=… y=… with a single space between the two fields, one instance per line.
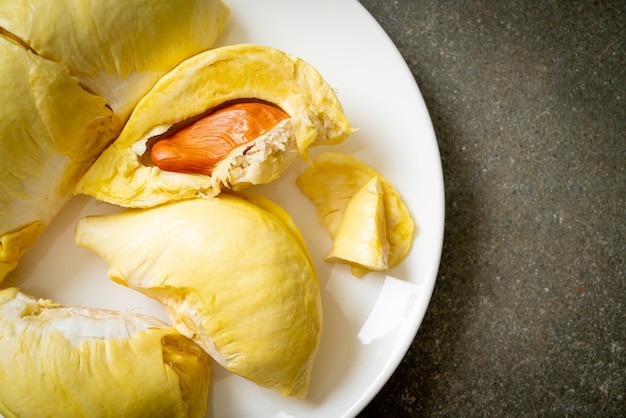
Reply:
x=528 y=102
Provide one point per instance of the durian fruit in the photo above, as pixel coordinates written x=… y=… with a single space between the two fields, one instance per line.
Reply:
x=361 y=237
x=233 y=274
x=61 y=361
x=51 y=130
x=71 y=71
x=333 y=184
x=227 y=118
x=118 y=49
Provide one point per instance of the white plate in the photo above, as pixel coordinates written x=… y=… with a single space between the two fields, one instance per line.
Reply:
x=395 y=137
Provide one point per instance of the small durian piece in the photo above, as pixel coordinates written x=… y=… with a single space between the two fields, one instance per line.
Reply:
x=51 y=131
x=284 y=106
x=233 y=274
x=117 y=49
x=332 y=182
x=61 y=361
x=361 y=237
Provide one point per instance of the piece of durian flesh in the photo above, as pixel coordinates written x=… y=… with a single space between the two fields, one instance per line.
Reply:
x=361 y=237
x=331 y=184
x=60 y=361
x=252 y=76
x=51 y=130
x=117 y=49
x=63 y=66
x=233 y=274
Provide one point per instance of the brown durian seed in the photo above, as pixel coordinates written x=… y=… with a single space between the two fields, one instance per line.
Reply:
x=201 y=145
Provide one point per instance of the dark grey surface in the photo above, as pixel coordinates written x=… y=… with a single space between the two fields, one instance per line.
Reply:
x=528 y=101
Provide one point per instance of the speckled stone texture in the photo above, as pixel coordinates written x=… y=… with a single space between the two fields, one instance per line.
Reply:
x=528 y=101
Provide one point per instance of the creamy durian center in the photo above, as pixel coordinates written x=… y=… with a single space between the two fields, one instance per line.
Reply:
x=201 y=143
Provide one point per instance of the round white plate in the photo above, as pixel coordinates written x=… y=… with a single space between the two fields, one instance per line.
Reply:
x=370 y=322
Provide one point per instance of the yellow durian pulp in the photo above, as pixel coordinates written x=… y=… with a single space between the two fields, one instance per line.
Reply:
x=124 y=175
x=71 y=72
x=60 y=361
x=361 y=237
x=117 y=49
x=233 y=274
x=51 y=130
x=332 y=182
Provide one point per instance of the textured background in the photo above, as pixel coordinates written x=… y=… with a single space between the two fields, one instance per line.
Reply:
x=528 y=101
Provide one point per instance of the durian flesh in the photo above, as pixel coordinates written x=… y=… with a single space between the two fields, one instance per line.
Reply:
x=63 y=66
x=117 y=49
x=51 y=130
x=233 y=274
x=122 y=175
x=361 y=237
x=60 y=361
x=332 y=182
